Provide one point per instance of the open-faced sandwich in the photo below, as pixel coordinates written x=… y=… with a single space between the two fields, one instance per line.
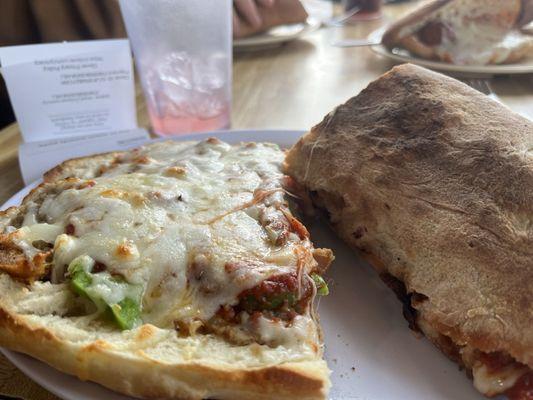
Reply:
x=476 y=32
x=433 y=183
x=175 y=270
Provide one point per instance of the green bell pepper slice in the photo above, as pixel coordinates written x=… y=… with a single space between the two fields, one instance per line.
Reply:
x=126 y=313
x=321 y=285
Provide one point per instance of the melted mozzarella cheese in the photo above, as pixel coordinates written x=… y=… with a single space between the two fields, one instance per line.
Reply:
x=34 y=232
x=495 y=383
x=171 y=217
x=301 y=330
x=490 y=383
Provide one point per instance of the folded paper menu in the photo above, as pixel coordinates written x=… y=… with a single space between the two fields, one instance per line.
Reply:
x=73 y=90
x=70 y=89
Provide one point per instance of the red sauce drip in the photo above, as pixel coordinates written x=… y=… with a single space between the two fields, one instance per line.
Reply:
x=522 y=389
x=268 y=294
x=272 y=286
x=227 y=313
x=432 y=33
x=70 y=229
x=495 y=362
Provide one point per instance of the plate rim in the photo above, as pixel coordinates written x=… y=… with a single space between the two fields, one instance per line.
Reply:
x=495 y=69
x=263 y=39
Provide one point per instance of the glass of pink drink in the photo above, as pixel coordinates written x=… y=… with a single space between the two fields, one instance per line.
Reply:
x=182 y=52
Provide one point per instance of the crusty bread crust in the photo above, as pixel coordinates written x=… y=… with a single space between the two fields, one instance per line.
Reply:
x=136 y=374
x=432 y=182
x=82 y=167
x=129 y=362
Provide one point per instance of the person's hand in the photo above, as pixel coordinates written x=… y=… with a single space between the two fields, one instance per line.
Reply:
x=248 y=12
x=527 y=13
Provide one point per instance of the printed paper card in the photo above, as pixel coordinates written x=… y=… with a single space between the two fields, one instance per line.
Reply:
x=70 y=89
x=36 y=158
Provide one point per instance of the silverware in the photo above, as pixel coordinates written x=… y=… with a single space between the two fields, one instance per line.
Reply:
x=355 y=43
x=341 y=19
x=483 y=86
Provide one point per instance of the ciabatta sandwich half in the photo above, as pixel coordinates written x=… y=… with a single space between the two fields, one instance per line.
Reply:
x=472 y=32
x=432 y=182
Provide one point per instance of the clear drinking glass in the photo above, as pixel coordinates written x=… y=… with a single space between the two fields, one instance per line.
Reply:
x=183 y=53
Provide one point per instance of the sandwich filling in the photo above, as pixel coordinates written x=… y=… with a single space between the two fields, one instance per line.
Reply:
x=493 y=374
x=197 y=237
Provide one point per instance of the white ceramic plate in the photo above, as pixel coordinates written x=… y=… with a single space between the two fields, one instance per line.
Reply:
x=276 y=36
x=523 y=67
x=373 y=354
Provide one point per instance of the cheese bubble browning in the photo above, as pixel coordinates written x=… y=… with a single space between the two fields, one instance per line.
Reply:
x=172 y=233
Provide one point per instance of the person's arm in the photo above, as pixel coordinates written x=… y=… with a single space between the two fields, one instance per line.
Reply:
x=28 y=22
x=527 y=13
x=247 y=12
